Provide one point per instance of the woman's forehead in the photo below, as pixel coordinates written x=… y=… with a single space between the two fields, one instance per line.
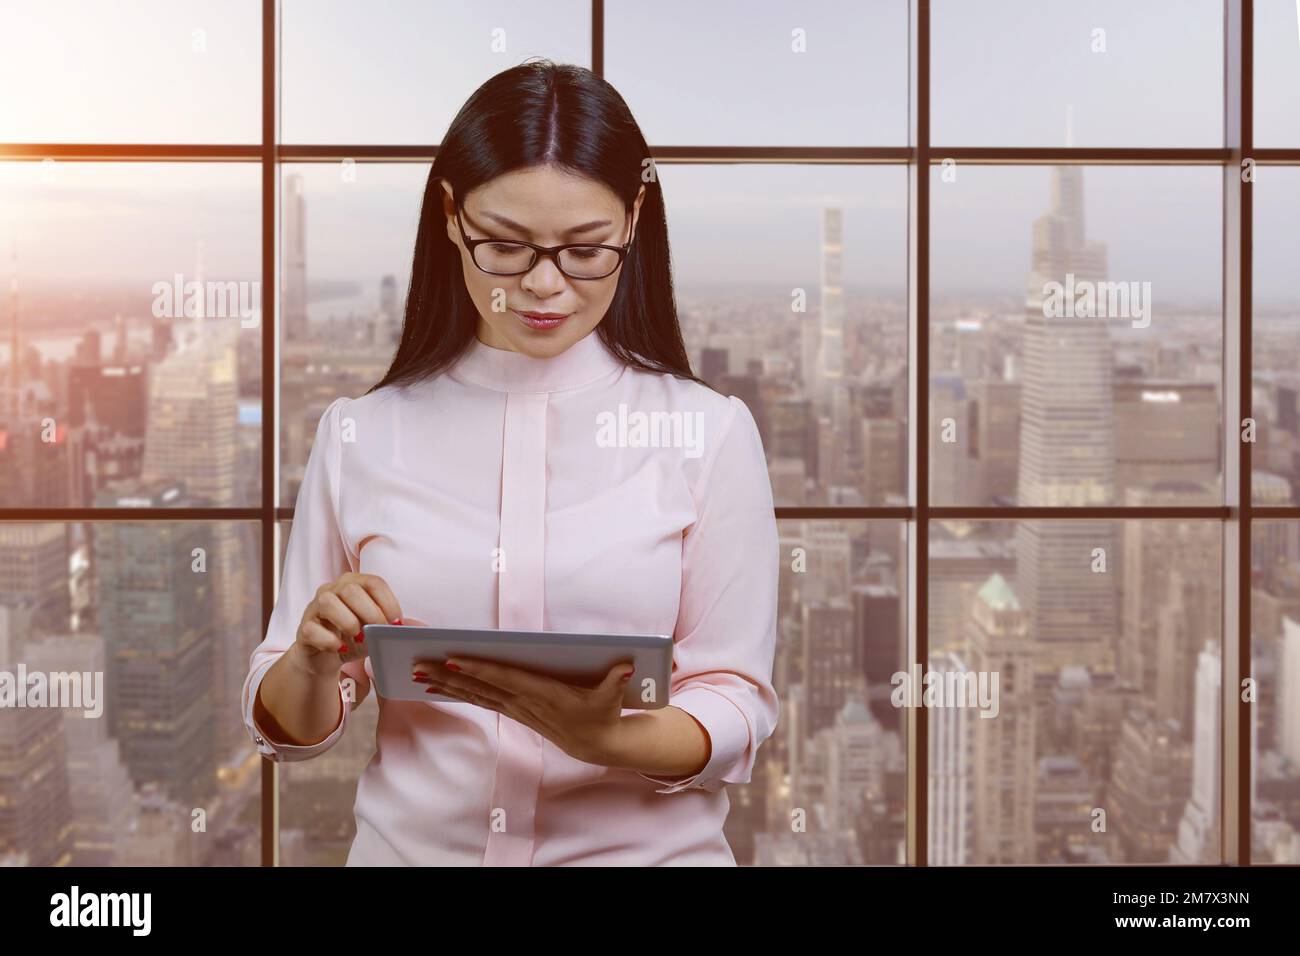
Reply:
x=544 y=191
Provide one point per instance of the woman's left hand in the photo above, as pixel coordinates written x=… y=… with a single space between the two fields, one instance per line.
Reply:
x=581 y=721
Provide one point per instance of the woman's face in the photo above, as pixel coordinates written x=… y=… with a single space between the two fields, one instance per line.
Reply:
x=548 y=207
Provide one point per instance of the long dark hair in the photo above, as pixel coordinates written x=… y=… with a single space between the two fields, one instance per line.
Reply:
x=535 y=114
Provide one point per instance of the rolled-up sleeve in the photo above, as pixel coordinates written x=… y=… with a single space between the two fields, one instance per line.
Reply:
x=315 y=554
x=725 y=639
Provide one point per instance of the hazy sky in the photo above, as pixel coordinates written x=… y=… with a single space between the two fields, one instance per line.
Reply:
x=1005 y=72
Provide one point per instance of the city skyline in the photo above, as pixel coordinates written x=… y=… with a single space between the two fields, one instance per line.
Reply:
x=1107 y=634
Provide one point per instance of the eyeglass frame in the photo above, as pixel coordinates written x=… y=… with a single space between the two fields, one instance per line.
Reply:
x=541 y=252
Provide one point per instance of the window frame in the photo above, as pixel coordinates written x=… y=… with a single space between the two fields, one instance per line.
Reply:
x=1236 y=514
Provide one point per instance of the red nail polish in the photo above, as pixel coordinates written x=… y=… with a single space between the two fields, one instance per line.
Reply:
x=419 y=674
x=343 y=648
x=397 y=620
x=452 y=667
x=420 y=679
x=360 y=638
x=626 y=677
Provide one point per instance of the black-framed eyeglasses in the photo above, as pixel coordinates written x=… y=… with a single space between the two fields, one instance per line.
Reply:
x=513 y=257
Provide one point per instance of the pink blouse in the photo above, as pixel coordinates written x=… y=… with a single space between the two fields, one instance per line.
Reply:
x=620 y=501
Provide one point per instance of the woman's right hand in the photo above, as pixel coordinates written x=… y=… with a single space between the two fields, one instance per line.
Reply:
x=330 y=633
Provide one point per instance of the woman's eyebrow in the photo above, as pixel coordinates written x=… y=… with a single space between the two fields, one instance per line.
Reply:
x=511 y=224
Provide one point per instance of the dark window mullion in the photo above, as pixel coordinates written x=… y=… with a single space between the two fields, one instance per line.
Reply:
x=270 y=798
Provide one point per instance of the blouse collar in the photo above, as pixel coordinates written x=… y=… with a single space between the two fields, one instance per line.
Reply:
x=582 y=363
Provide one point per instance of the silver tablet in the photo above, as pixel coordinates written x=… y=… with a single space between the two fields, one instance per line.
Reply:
x=582 y=659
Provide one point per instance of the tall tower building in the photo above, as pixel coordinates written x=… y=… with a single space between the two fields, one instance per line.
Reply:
x=1198 y=830
x=832 y=300
x=1005 y=770
x=1149 y=785
x=1066 y=447
x=854 y=766
x=829 y=655
x=156 y=619
x=191 y=437
x=35 y=802
x=950 y=775
x=293 y=296
x=822 y=336
x=101 y=797
x=34 y=574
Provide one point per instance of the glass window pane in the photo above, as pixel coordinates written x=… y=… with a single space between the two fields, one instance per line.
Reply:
x=1087 y=654
x=146 y=628
x=1275 y=664
x=829 y=786
x=1022 y=72
x=782 y=269
x=397 y=73
x=772 y=74
x=150 y=71
x=1277 y=73
x=1275 y=459
x=1076 y=336
x=137 y=299
x=345 y=263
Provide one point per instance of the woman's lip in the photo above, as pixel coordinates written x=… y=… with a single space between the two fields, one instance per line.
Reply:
x=543 y=320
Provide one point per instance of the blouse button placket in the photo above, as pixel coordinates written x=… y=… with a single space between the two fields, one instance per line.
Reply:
x=520 y=599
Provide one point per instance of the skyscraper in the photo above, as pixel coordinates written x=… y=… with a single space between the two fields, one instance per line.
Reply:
x=822 y=337
x=1198 y=830
x=949 y=782
x=832 y=302
x=190 y=437
x=294 y=292
x=156 y=619
x=1066 y=448
x=101 y=798
x=1005 y=774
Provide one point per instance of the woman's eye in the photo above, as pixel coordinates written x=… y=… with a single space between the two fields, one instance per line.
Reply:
x=505 y=248
x=585 y=253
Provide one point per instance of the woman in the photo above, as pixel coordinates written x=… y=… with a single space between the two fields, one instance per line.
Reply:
x=496 y=477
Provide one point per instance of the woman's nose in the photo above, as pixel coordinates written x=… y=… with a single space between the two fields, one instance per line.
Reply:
x=544 y=279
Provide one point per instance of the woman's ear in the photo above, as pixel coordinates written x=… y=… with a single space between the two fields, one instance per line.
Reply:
x=636 y=211
x=449 y=210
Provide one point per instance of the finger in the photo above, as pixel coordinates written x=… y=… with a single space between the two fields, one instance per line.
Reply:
x=338 y=617
x=362 y=605
x=468 y=686
x=430 y=668
x=614 y=682
x=466 y=696
x=512 y=679
x=333 y=612
x=383 y=595
x=319 y=638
